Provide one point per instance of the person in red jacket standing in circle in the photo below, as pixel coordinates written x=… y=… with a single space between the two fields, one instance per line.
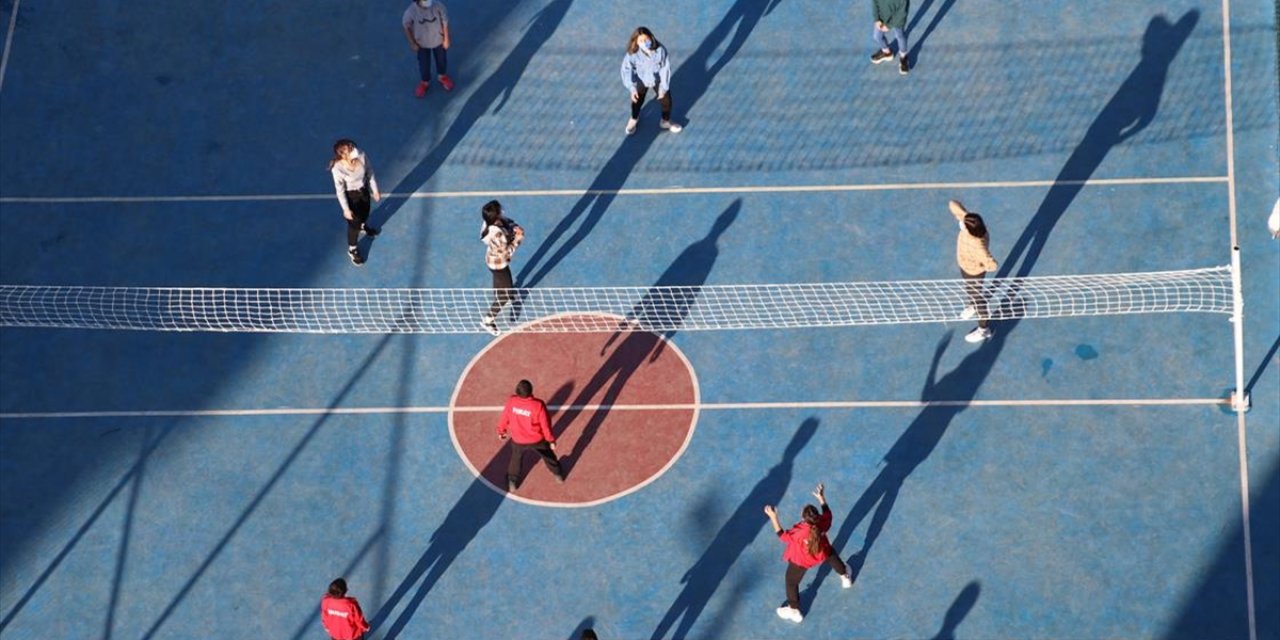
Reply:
x=341 y=615
x=525 y=421
x=807 y=547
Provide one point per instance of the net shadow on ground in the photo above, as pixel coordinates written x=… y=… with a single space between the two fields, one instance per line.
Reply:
x=737 y=533
x=819 y=118
x=689 y=83
x=691 y=268
x=1133 y=106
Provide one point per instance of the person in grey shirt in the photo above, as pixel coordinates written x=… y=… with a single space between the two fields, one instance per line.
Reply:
x=426 y=25
x=646 y=66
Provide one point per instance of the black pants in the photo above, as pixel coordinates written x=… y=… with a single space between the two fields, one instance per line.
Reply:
x=503 y=290
x=517 y=458
x=359 y=203
x=795 y=573
x=424 y=62
x=639 y=101
x=973 y=288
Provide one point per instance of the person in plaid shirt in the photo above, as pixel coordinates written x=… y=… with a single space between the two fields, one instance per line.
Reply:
x=501 y=236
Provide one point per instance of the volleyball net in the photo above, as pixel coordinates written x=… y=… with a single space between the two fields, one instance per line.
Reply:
x=657 y=309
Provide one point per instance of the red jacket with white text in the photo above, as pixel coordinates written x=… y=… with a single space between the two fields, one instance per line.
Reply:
x=342 y=618
x=526 y=420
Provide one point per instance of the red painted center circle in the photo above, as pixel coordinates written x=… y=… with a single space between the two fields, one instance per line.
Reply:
x=623 y=407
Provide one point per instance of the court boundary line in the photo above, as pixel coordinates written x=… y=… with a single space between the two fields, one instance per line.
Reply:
x=1242 y=447
x=695 y=407
x=647 y=191
x=8 y=42
x=698 y=406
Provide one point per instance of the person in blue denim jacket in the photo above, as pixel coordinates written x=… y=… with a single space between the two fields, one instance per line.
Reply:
x=647 y=66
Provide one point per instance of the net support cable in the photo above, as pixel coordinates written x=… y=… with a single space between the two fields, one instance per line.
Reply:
x=656 y=309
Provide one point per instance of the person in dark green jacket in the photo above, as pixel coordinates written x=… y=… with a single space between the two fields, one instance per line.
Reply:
x=891 y=20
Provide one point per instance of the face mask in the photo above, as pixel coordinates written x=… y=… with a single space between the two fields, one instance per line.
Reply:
x=962 y=225
x=650 y=45
x=425 y=3
x=355 y=154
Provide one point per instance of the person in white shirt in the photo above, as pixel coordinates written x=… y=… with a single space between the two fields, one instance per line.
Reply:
x=426 y=25
x=355 y=184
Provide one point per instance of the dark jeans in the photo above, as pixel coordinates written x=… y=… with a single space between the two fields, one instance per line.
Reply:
x=503 y=290
x=424 y=62
x=639 y=101
x=517 y=458
x=973 y=288
x=359 y=203
x=795 y=573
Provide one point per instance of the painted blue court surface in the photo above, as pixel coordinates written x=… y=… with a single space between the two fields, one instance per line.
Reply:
x=1070 y=478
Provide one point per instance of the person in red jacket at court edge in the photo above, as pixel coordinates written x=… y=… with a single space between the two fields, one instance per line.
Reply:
x=807 y=547
x=525 y=421
x=341 y=615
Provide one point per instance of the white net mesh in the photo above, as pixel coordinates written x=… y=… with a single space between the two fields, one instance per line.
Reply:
x=588 y=309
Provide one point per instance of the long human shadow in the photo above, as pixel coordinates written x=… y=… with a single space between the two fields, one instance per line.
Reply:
x=266 y=489
x=689 y=83
x=1132 y=107
x=1129 y=111
x=468 y=516
x=486 y=99
x=658 y=308
x=734 y=536
x=918 y=43
x=959 y=608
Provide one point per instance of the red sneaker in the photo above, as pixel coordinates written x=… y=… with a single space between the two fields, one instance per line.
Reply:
x=446 y=83
x=421 y=90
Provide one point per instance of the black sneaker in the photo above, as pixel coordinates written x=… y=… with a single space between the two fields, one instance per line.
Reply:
x=880 y=56
x=902 y=66
x=355 y=256
x=370 y=231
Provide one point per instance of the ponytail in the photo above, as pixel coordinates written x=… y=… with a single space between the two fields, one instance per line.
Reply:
x=814 y=542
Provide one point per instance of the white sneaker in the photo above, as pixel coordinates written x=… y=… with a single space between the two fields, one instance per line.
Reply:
x=968 y=313
x=787 y=613
x=670 y=126
x=978 y=335
x=490 y=324
x=631 y=126
x=846 y=581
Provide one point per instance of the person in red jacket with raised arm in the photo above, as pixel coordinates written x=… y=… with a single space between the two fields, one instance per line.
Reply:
x=525 y=421
x=807 y=547
x=341 y=615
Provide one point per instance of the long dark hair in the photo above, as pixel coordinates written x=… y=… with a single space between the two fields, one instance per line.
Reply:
x=810 y=516
x=338 y=148
x=632 y=47
x=974 y=225
x=491 y=212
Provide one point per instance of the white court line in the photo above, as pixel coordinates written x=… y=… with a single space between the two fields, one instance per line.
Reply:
x=829 y=188
x=708 y=406
x=8 y=41
x=1241 y=425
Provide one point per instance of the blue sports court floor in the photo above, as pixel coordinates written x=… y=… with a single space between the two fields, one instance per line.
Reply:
x=1072 y=478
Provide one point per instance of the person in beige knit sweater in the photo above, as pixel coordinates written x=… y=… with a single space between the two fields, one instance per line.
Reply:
x=973 y=254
